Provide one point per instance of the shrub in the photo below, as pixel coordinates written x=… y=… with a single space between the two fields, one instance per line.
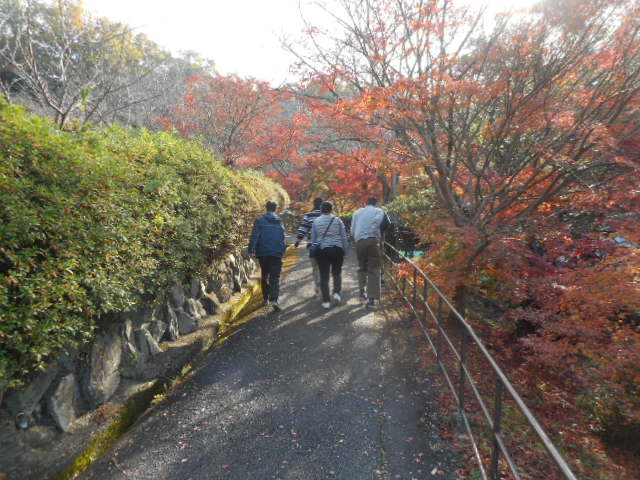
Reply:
x=98 y=222
x=261 y=189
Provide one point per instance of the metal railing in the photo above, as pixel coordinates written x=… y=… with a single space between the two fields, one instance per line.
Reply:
x=433 y=324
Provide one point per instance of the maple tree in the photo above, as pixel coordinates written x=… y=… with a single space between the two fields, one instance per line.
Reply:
x=223 y=110
x=499 y=122
x=518 y=149
x=343 y=155
x=248 y=124
x=286 y=132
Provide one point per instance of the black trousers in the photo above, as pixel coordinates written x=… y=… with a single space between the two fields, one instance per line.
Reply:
x=270 y=268
x=330 y=259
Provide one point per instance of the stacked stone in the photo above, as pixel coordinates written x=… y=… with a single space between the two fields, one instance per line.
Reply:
x=83 y=379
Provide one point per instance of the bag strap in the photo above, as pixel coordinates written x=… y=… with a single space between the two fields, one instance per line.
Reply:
x=327 y=229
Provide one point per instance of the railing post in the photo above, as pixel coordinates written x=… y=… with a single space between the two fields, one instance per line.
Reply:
x=425 y=293
x=463 y=361
x=414 y=287
x=497 y=425
x=391 y=271
x=440 y=327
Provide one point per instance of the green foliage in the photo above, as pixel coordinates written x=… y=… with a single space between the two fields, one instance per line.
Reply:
x=261 y=189
x=97 y=222
x=66 y=62
x=418 y=206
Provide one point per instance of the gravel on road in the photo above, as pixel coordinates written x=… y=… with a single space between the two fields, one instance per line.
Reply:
x=301 y=394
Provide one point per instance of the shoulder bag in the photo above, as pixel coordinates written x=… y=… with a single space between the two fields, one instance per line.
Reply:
x=315 y=246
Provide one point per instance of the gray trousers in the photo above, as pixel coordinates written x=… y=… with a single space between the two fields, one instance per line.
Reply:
x=369 y=259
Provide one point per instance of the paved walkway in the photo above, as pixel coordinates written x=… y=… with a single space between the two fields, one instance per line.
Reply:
x=303 y=394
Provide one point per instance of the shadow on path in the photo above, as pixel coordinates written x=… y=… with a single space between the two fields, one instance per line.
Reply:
x=303 y=394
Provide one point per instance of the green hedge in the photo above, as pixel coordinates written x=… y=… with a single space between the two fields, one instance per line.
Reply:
x=259 y=189
x=98 y=222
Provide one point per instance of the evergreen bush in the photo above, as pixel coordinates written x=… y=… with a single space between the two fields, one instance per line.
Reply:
x=261 y=189
x=96 y=222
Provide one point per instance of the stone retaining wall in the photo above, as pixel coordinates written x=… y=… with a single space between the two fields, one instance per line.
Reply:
x=83 y=379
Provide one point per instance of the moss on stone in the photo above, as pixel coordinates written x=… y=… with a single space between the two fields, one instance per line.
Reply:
x=125 y=418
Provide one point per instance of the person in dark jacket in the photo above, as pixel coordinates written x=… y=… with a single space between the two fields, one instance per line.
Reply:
x=304 y=231
x=267 y=243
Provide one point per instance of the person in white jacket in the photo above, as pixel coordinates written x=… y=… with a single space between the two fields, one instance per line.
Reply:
x=367 y=227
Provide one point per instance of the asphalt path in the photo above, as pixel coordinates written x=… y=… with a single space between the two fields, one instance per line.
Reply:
x=301 y=394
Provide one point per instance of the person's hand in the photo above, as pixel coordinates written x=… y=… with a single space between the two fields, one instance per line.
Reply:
x=297 y=243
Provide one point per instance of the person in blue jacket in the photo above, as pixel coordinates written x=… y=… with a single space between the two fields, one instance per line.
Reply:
x=267 y=244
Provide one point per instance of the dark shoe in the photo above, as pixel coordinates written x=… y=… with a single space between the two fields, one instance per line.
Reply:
x=371 y=303
x=276 y=307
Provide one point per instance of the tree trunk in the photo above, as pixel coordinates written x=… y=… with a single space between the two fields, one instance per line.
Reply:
x=390 y=187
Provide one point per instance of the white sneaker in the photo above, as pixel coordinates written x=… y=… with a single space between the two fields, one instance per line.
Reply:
x=326 y=305
x=336 y=297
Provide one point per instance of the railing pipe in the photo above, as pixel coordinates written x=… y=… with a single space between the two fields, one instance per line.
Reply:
x=439 y=340
x=425 y=304
x=497 y=425
x=467 y=331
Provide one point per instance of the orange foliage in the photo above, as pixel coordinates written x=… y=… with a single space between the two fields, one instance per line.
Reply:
x=526 y=140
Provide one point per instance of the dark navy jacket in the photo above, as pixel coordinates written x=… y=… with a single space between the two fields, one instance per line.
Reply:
x=267 y=237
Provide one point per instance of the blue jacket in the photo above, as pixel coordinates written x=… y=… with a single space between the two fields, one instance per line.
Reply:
x=267 y=237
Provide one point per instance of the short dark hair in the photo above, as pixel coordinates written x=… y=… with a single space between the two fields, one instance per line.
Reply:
x=271 y=206
x=326 y=207
x=372 y=201
x=317 y=202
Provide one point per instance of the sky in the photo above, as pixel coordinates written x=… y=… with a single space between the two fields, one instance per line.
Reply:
x=241 y=37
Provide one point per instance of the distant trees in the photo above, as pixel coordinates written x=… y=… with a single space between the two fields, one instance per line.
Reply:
x=224 y=110
x=57 y=58
x=246 y=123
